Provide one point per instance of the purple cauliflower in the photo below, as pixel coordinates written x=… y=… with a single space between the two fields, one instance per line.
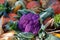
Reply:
x=29 y=23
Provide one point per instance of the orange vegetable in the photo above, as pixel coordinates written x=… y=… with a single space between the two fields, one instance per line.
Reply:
x=56 y=34
x=16 y=8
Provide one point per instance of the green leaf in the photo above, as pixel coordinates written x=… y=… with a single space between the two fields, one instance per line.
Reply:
x=11 y=25
x=41 y=35
x=14 y=26
x=26 y=35
x=51 y=37
x=43 y=27
x=1 y=7
x=42 y=32
x=46 y=13
x=22 y=39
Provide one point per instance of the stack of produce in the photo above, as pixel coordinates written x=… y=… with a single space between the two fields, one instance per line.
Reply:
x=29 y=20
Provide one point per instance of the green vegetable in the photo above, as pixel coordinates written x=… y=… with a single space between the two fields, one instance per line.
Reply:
x=24 y=36
x=4 y=9
x=57 y=20
x=11 y=26
x=42 y=34
x=1 y=7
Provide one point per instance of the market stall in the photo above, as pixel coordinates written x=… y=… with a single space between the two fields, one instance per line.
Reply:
x=29 y=19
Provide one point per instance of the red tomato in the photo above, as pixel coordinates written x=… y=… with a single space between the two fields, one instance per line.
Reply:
x=12 y=15
x=56 y=7
x=32 y=4
x=2 y=1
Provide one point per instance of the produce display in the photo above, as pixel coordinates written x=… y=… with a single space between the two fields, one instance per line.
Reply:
x=29 y=20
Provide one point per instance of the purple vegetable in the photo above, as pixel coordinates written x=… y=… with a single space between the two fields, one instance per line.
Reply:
x=29 y=23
